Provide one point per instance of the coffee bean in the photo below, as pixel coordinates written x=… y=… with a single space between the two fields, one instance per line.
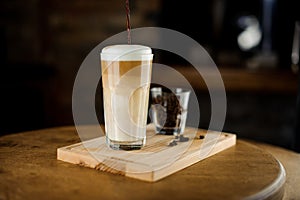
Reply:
x=201 y=137
x=173 y=143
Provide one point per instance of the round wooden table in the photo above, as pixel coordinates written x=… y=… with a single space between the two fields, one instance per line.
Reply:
x=29 y=170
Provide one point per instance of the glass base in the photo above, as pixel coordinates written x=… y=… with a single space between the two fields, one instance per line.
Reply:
x=125 y=145
x=168 y=130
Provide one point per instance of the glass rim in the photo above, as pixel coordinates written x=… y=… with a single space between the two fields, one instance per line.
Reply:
x=125 y=57
x=175 y=90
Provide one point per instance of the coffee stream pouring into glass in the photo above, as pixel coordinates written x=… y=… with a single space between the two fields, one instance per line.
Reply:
x=128 y=26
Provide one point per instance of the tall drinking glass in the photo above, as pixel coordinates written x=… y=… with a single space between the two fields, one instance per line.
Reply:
x=126 y=77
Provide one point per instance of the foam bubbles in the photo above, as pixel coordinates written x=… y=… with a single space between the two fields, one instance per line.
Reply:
x=125 y=52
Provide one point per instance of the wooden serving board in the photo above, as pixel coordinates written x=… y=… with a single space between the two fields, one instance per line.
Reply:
x=156 y=160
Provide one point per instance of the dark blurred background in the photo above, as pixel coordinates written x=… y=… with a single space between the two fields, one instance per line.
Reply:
x=43 y=42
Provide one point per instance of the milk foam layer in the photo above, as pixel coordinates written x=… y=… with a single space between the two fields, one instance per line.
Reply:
x=125 y=52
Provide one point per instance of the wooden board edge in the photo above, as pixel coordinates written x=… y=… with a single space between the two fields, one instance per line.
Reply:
x=86 y=160
x=64 y=154
x=184 y=162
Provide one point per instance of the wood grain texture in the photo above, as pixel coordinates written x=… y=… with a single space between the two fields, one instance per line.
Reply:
x=29 y=170
x=154 y=161
x=291 y=162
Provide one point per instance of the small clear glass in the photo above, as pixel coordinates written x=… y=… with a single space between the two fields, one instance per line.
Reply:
x=169 y=110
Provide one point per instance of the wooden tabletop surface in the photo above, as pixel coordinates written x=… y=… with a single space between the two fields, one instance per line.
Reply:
x=29 y=170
